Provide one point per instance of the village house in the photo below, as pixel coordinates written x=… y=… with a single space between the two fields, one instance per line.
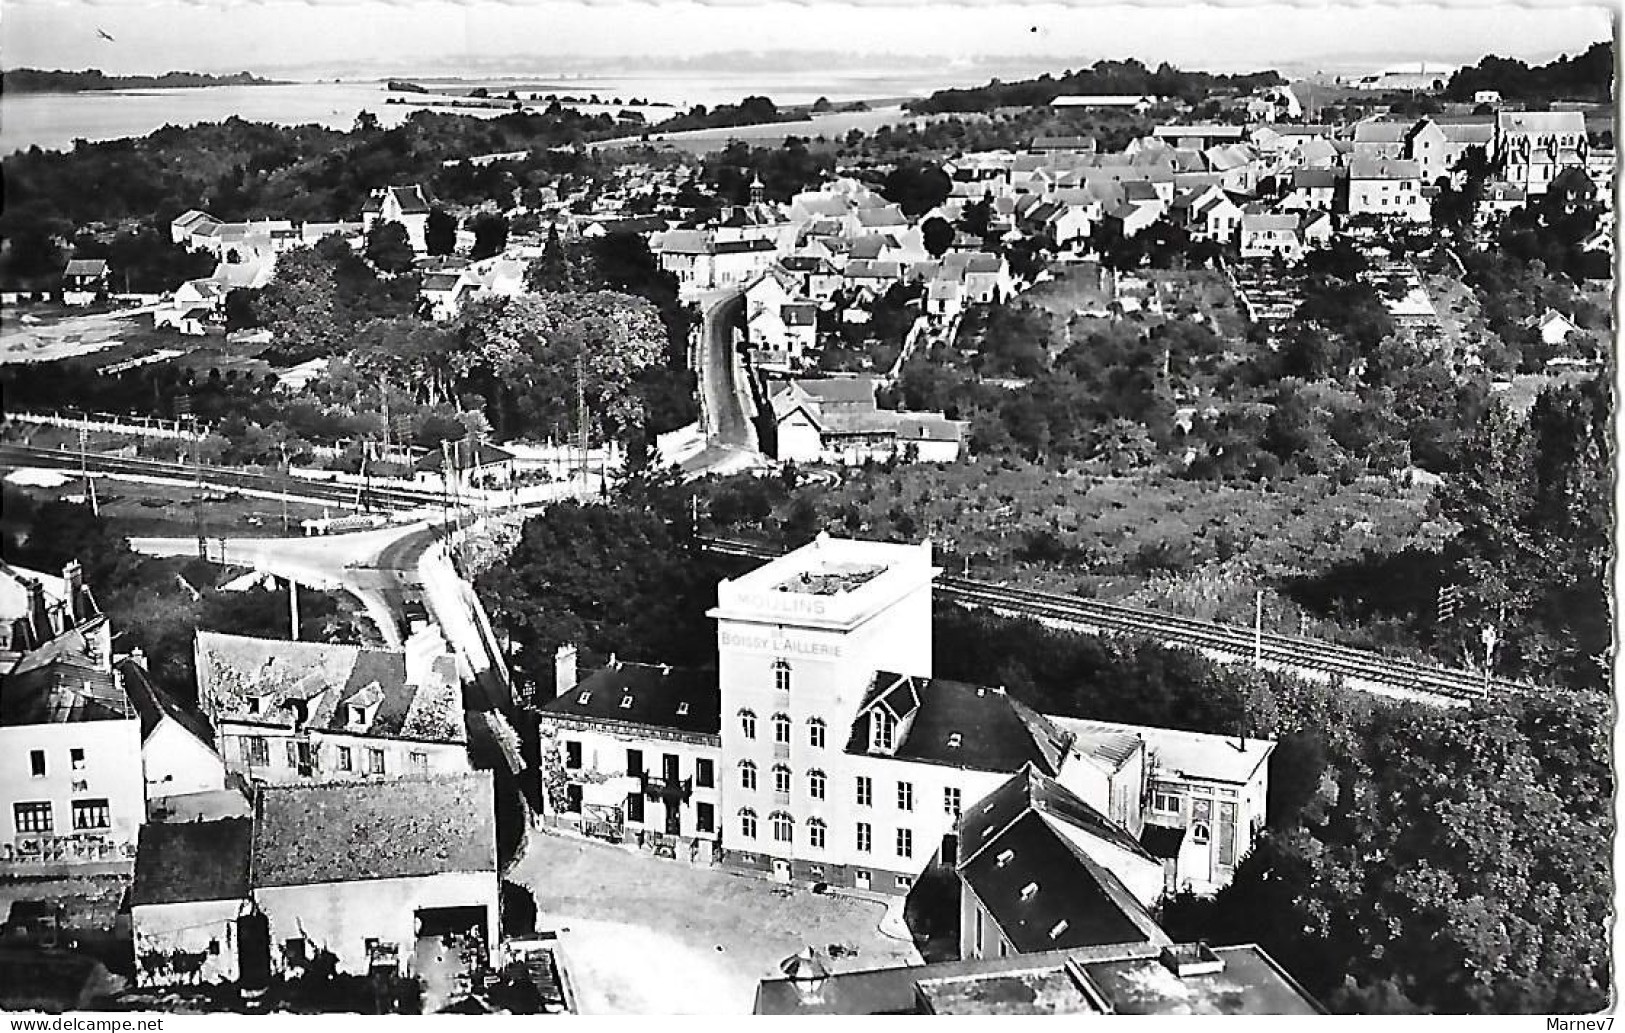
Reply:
x=1205 y=797
x=386 y=876
x=1208 y=213
x=1311 y=190
x=1554 y=327
x=377 y=872
x=780 y=326
x=1271 y=236
x=1438 y=147
x=85 y=281
x=443 y=294
x=1380 y=138
x=1041 y=870
x=179 y=764
x=188 y=901
x=70 y=744
x=702 y=262
x=309 y=711
x=406 y=205
x=836 y=419
x=634 y=755
x=1390 y=188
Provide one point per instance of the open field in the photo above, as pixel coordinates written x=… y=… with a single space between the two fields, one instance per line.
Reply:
x=139 y=510
x=642 y=935
x=50 y=334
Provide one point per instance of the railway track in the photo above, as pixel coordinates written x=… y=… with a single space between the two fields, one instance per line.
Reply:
x=381 y=497
x=1305 y=654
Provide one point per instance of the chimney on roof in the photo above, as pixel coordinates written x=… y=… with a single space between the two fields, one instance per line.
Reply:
x=564 y=668
x=614 y=661
x=73 y=583
x=138 y=657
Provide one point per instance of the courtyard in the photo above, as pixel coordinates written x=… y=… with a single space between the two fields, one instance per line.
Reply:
x=643 y=935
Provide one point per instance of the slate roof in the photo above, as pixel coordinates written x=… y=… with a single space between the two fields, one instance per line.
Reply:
x=1381 y=132
x=85 y=267
x=1046 y=894
x=61 y=683
x=323 y=678
x=1541 y=122
x=1367 y=166
x=1311 y=179
x=182 y=862
x=681 y=699
x=995 y=732
x=838 y=389
x=411 y=200
x=356 y=831
x=153 y=705
x=1031 y=791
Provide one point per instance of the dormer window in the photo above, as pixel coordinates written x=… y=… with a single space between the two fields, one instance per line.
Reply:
x=358 y=715
x=1005 y=857
x=626 y=702
x=583 y=698
x=882 y=731
x=682 y=709
x=1029 y=891
x=256 y=705
x=954 y=741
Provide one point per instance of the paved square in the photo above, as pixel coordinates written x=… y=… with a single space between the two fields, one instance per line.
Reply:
x=646 y=936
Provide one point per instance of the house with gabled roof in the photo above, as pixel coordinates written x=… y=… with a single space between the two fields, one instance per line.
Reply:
x=1041 y=870
x=1389 y=188
x=85 y=280
x=407 y=205
x=1310 y=190
x=191 y=889
x=71 y=784
x=309 y=711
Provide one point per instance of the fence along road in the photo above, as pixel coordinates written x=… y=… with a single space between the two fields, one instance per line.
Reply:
x=1315 y=658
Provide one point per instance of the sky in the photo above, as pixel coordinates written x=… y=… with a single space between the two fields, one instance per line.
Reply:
x=332 y=37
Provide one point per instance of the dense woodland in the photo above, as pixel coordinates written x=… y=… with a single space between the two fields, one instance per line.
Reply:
x=38 y=80
x=1588 y=76
x=1104 y=77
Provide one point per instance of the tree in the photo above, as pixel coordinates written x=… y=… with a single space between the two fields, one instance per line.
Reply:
x=299 y=306
x=389 y=247
x=521 y=354
x=440 y=232
x=916 y=187
x=552 y=271
x=938 y=235
x=606 y=578
x=490 y=235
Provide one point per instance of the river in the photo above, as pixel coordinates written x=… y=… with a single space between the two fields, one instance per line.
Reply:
x=56 y=120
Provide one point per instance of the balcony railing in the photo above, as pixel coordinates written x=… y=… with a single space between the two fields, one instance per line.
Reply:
x=655 y=787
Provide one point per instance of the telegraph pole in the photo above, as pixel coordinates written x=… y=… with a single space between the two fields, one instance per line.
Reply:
x=293 y=609
x=1258 y=630
x=581 y=417
x=287 y=472
x=84 y=467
